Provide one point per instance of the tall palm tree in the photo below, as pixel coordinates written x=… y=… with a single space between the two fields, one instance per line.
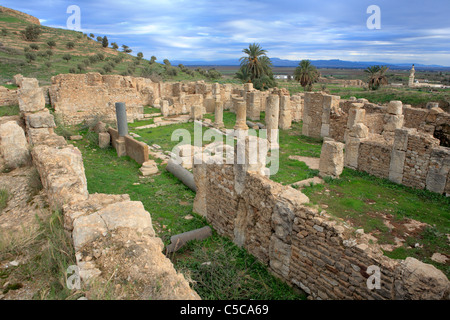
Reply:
x=377 y=76
x=255 y=61
x=306 y=74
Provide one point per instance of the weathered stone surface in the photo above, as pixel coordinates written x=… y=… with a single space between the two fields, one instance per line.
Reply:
x=14 y=151
x=127 y=214
x=359 y=130
x=104 y=140
x=87 y=228
x=41 y=119
x=196 y=112
x=149 y=168
x=31 y=100
x=420 y=281
x=395 y=107
x=76 y=137
x=62 y=173
x=331 y=159
x=393 y=122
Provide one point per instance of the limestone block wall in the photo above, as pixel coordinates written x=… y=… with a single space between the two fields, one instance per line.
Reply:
x=307 y=249
x=79 y=97
x=8 y=97
x=374 y=157
x=317 y=111
x=413 y=158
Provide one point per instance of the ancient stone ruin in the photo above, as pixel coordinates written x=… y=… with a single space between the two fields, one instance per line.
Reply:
x=306 y=248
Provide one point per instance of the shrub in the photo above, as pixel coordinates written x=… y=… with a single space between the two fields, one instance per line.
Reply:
x=48 y=64
x=4 y=32
x=32 y=32
x=81 y=67
x=172 y=71
x=49 y=53
x=72 y=70
x=30 y=57
x=115 y=46
x=100 y=56
x=34 y=46
x=70 y=45
x=51 y=44
x=67 y=57
x=93 y=59
x=107 y=68
x=99 y=39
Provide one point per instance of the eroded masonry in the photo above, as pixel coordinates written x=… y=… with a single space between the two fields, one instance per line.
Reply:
x=306 y=248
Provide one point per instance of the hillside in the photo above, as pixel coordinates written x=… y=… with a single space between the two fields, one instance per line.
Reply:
x=87 y=54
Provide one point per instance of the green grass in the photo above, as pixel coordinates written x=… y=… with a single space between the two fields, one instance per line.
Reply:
x=366 y=201
x=150 y=110
x=3 y=199
x=292 y=142
x=220 y=269
x=49 y=253
x=168 y=201
x=10 y=86
x=141 y=123
x=9 y=111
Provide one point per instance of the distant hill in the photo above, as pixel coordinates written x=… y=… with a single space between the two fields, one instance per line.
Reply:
x=332 y=64
x=21 y=15
x=87 y=54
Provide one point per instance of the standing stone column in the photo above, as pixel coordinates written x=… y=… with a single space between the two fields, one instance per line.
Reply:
x=272 y=117
x=394 y=119
x=219 y=114
x=285 y=120
x=241 y=115
x=356 y=114
x=196 y=112
x=254 y=105
x=331 y=159
x=122 y=127
x=356 y=135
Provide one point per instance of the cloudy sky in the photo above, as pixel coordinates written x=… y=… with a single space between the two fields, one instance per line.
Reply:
x=411 y=31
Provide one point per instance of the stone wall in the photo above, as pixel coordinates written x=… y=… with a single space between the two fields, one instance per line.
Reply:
x=416 y=156
x=113 y=237
x=317 y=111
x=307 y=249
x=8 y=97
x=80 y=97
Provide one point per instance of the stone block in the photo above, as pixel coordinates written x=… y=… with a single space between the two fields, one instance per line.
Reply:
x=14 y=150
x=41 y=119
x=331 y=159
x=395 y=108
x=104 y=140
x=31 y=100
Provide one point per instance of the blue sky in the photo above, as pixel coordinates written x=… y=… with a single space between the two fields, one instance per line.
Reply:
x=411 y=31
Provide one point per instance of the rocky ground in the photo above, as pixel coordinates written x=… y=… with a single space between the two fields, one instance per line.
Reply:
x=19 y=227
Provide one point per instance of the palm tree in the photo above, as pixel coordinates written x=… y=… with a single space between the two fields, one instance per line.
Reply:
x=377 y=76
x=255 y=61
x=306 y=74
x=243 y=74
